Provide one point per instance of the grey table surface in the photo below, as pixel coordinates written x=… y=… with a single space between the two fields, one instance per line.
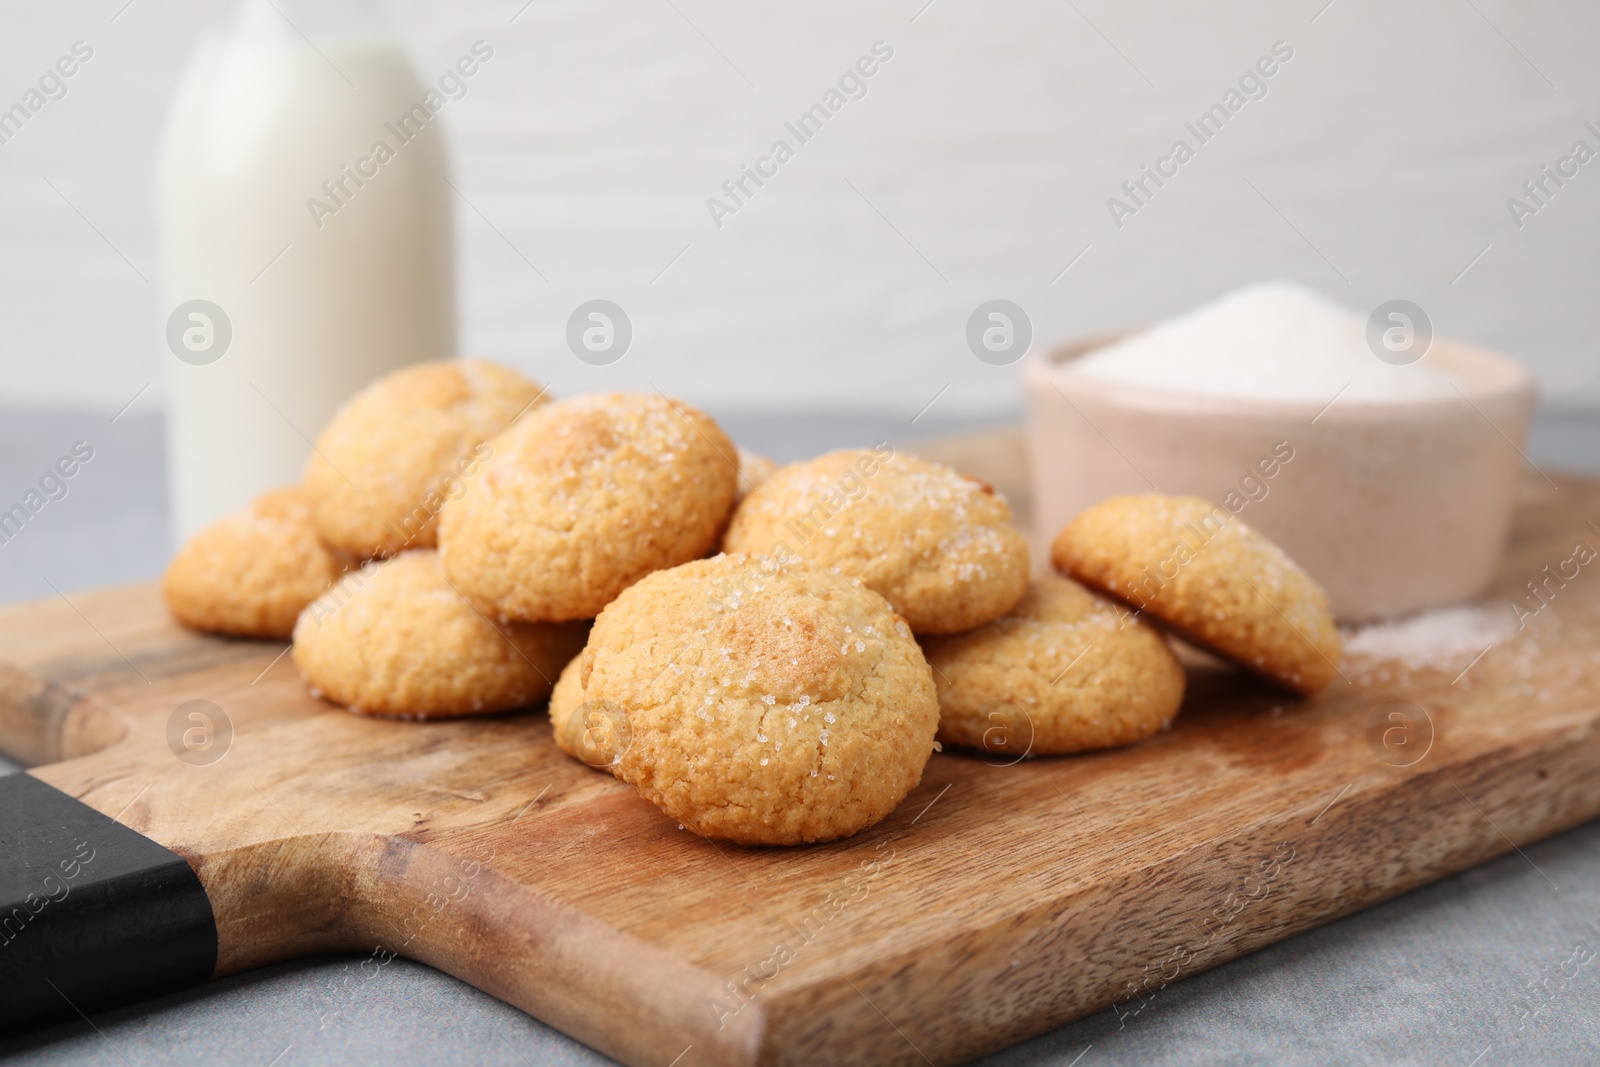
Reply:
x=1436 y=976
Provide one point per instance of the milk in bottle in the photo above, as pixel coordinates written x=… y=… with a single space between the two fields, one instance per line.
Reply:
x=306 y=243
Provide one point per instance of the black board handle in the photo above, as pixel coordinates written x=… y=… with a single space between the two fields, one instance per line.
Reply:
x=92 y=914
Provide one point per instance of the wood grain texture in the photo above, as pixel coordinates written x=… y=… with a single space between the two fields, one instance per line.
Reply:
x=997 y=902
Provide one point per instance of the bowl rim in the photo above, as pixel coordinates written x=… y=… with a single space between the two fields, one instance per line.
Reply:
x=1480 y=376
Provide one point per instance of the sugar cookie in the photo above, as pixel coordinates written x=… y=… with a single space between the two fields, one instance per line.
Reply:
x=396 y=451
x=761 y=702
x=250 y=573
x=393 y=638
x=938 y=545
x=582 y=499
x=1064 y=671
x=1202 y=571
x=565 y=699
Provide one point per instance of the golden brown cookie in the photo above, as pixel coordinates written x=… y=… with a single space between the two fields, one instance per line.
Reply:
x=393 y=638
x=564 y=700
x=761 y=702
x=589 y=731
x=1064 y=671
x=938 y=545
x=582 y=499
x=397 y=450
x=250 y=573
x=1202 y=571
x=754 y=469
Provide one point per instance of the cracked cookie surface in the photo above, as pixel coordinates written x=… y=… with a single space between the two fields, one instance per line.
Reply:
x=1066 y=670
x=250 y=573
x=761 y=702
x=1213 y=579
x=394 y=639
x=584 y=497
x=938 y=545
x=397 y=450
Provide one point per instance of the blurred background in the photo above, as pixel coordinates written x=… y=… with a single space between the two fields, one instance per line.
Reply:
x=978 y=165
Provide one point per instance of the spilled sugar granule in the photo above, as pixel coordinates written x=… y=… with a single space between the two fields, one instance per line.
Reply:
x=1446 y=639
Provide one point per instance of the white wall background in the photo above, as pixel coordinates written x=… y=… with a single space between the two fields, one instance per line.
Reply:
x=1387 y=149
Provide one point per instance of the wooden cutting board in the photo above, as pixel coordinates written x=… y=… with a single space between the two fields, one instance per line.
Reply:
x=1000 y=900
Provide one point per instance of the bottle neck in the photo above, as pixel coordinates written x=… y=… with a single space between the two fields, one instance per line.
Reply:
x=320 y=21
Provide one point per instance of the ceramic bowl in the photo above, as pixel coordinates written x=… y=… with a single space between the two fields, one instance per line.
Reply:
x=1393 y=507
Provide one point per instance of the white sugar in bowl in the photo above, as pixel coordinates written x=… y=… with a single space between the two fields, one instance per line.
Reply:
x=1394 y=506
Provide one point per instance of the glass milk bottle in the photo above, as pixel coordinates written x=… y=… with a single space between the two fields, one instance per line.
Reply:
x=306 y=241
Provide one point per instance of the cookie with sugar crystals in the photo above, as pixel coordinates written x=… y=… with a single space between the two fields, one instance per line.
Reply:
x=396 y=451
x=1066 y=670
x=938 y=545
x=583 y=498
x=394 y=639
x=1202 y=571
x=760 y=702
x=250 y=573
